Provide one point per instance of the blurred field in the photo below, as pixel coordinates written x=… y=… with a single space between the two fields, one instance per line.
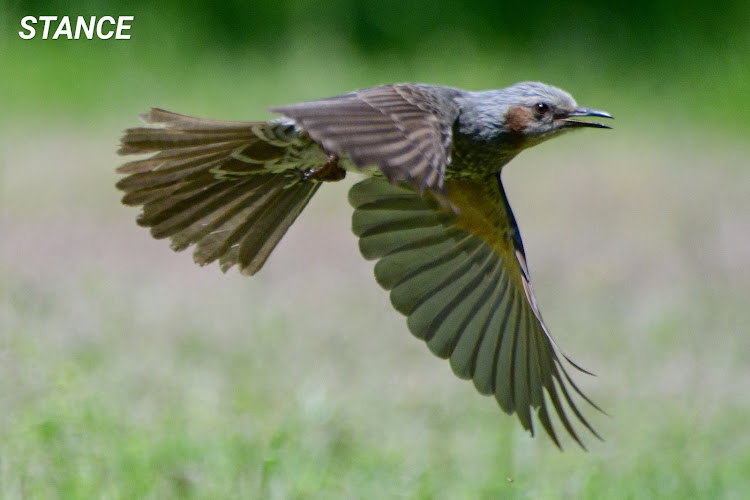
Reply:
x=128 y=372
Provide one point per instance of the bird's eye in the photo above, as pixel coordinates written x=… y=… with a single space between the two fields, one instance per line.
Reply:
x=541 y=108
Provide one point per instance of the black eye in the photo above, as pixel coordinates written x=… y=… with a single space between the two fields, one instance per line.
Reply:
x=541 y=108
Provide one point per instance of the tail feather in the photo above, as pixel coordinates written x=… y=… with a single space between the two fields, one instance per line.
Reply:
x=230 y=228
x=284 y=209
x=205 y=228
x=171 y=215
x=174 y=131
x=170 y=175
x=185 y=122
x=176 y=157
x=248 y=234
x=208 y=183
x=146 y=139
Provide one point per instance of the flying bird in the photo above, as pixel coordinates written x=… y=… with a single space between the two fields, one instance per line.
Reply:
x=431 y=210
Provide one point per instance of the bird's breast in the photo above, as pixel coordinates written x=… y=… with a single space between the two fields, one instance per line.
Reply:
x=477 y=159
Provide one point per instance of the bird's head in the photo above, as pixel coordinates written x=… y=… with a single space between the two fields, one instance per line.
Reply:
x=532 y=112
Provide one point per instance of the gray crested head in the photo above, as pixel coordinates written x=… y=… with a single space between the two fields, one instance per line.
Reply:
x=524 y=114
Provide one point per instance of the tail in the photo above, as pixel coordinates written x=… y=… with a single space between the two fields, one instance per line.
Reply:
x=227 y=187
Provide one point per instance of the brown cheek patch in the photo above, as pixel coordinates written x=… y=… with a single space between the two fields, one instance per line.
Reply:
x=517 y=119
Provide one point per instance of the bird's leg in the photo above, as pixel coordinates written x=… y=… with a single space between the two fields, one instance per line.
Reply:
x=329 y=172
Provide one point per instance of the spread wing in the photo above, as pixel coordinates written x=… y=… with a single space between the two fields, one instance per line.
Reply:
x=461 y=279
x=403 y=129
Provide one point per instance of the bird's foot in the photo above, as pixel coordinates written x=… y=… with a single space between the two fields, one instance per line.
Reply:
x=329 y=172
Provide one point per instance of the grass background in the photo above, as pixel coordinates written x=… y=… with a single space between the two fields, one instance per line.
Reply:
x=128 y=372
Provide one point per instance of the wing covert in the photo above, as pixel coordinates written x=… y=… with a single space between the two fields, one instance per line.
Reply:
x=405 y=130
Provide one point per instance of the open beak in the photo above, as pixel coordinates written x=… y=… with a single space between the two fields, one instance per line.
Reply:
x=569 y=123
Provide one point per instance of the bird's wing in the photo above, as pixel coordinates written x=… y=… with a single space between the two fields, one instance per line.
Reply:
x=403 y=129
x=461 y=279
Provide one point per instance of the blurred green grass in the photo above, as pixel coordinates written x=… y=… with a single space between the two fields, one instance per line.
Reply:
x=683 y=79
x=128 y=372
